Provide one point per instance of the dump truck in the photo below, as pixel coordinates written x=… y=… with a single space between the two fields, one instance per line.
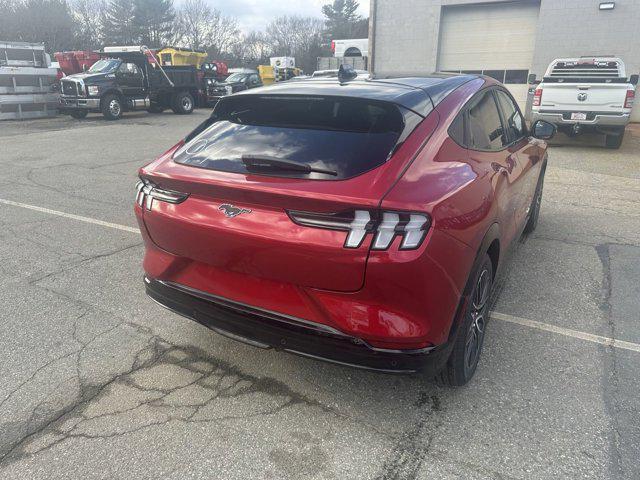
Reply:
x=124 y=80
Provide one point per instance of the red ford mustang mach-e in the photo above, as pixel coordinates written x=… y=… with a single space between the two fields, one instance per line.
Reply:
x=358 y=221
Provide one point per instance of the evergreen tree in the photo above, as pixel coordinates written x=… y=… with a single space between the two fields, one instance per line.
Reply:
x=118 y=23
x=154 y=20
x=341 y=18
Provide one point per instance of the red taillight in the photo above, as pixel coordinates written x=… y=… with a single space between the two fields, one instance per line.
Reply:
x=385 y=226
x=628 y=101
x=537 y=97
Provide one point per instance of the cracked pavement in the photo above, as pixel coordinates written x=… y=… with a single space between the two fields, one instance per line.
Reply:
x=99 y=382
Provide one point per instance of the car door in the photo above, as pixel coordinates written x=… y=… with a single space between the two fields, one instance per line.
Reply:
x=254 y=81
x=130 y=79
x=524 y=177
x=489 y=144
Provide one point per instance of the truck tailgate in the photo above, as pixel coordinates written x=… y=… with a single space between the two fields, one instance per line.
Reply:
x=579 y=97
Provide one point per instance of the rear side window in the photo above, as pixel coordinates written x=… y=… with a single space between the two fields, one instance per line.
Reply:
x=346 y=136
x=485 y=126
x=512 y=117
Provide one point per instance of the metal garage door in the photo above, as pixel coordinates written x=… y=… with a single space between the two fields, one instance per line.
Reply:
x=497 y=40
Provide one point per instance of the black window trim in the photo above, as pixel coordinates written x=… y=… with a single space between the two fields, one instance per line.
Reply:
x=464 y=111
x=525 y=133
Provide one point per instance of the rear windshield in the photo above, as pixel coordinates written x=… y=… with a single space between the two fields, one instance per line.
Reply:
x=345 y=136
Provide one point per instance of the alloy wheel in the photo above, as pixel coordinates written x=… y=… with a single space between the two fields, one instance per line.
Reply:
x=478 y=312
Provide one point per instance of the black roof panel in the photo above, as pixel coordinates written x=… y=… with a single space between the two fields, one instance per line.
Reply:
x=420 y=94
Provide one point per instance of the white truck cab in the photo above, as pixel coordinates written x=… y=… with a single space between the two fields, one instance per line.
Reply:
x=586 y=94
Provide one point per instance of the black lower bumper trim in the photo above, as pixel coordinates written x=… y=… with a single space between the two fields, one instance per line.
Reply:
x=267 y=331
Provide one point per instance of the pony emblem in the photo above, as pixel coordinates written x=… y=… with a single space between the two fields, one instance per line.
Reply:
x=231 y=212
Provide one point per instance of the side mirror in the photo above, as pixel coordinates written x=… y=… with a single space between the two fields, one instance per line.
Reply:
x=633 y=79
x=531 y=79
x=543 y=130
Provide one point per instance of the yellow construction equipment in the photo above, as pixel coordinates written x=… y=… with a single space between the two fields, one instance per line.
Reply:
x=181 y=56
x=266 y=74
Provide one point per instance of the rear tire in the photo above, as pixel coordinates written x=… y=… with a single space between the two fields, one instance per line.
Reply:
x=111 y=107
x=183 y=103
x=614 y=141
x=78 y=113
x=463 y=361
x=534 y=210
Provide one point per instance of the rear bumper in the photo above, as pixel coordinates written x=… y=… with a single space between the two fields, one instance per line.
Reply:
x=267 y=329
x=593 y=118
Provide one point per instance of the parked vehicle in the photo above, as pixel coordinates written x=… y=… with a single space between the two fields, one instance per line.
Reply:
x=356 y=221
x=175 y=56
x=586 y=94
x=354 y=47
x=76 y=61
x=238 y=81
x=123 y=80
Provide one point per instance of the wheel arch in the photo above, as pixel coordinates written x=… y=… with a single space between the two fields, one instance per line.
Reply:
x=490 y=245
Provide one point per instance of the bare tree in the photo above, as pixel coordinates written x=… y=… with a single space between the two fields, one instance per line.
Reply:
x=299 y=37
x=202 y=27
x=87 y=15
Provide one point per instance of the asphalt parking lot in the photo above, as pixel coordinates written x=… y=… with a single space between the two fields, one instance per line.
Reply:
x=100 y=382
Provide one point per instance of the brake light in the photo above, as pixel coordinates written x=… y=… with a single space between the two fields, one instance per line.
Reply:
x=537 y=97
x=147 y=192
x=631 y=96
x=385 y=226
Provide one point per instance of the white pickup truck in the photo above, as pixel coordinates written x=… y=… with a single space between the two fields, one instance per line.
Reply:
x=586 y=94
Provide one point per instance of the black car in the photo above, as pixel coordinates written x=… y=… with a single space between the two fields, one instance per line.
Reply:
x=236 y=82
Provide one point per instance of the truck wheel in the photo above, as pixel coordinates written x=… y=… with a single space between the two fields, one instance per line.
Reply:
x=467 y=348
x=182 y=103
x=111 y=107
x=614 y=141
x=78 y=113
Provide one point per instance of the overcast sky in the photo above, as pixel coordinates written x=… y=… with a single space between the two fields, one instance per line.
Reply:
x=256 y=14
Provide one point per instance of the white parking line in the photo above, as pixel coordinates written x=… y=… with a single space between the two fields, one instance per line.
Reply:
x=567 y=332
x=71 y=215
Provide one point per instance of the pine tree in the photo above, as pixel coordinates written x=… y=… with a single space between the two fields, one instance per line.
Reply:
x=118 y=23
x=341 y=18
x=154 y=20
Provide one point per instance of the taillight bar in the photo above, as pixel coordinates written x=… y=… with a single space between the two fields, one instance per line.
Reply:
x=147 y=192
x=384 y=225
x=628 y=100
x=537 y=97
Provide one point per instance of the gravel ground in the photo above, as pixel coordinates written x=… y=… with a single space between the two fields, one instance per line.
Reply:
x=98 y=382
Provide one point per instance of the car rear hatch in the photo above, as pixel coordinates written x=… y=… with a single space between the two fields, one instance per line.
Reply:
x=266 y=186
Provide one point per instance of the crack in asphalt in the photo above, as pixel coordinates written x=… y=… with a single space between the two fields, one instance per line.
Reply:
x=413 y=445
x=216 y=379
x=610 y=375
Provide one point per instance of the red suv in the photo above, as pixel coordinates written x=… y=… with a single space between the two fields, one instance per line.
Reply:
x=358 y=221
